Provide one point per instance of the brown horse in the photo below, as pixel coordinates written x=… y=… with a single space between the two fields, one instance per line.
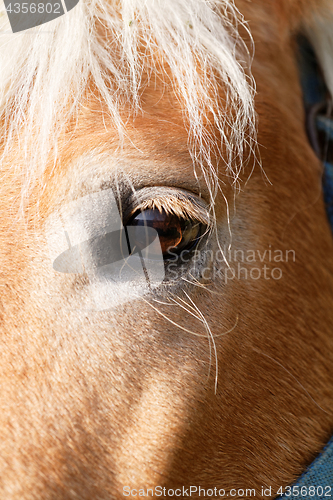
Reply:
x=221 y=375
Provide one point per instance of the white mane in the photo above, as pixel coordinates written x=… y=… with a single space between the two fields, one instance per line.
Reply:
x=44 y=71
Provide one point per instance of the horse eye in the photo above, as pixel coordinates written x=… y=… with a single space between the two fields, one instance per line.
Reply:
x=176 y=234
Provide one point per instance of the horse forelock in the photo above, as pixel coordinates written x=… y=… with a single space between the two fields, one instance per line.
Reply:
x=116 y=47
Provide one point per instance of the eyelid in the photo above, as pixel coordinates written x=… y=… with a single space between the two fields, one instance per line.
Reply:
x=173 y=201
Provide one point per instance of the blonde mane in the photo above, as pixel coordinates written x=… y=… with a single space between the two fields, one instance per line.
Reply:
x=45 y=72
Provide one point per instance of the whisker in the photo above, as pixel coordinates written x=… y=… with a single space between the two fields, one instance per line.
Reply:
x=172 y=322
x=210 y=338
x=201 y=285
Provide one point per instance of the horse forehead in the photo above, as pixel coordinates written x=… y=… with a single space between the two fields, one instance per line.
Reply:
x=155 y=146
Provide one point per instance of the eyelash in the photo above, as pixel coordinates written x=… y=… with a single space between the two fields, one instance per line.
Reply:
x=177 y=234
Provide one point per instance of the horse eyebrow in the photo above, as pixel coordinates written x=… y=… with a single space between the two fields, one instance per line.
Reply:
x=171 y=200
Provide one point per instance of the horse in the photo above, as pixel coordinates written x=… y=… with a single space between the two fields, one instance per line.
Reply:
x=185 y=118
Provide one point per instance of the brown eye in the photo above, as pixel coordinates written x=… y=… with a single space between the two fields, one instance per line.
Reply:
x=175 y=233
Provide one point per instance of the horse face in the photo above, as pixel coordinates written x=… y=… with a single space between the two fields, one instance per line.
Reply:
x=207 y=377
